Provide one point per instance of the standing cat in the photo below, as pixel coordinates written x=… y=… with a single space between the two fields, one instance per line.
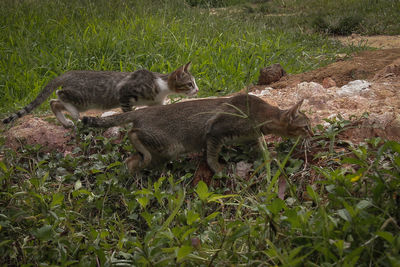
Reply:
x=84 y=90
x=161 y=133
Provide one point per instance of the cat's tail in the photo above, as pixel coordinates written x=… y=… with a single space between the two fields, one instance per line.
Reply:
x=109 y=121
x=43 y=95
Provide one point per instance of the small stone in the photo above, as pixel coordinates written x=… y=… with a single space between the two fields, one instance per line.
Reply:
x=265 y=92
x=328 y=82
x=108 y=113
x=243 y=168
x=354 y=88
x=309 y=89
x=271 y=74
x=113 y=132
x=341 y=56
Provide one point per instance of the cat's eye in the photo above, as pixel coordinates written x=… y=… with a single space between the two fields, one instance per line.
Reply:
x=190 y=84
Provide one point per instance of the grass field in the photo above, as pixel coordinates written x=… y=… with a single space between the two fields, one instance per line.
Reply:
x=84 y=209
x=42 y=39
x=341 y=17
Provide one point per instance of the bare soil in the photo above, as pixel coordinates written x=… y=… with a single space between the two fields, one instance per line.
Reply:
x=376 y=41
x=362 y=66
x=322 y=90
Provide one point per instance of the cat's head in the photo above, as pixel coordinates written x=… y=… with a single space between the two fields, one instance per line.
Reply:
x=296 y=122
x=182 y=81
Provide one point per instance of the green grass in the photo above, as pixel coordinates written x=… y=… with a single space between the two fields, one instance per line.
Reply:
x=84 y=209
x=42 y=39
x=341 y=17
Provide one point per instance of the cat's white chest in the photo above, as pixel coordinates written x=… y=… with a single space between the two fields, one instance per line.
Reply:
x=164 y=91
x=158 y=99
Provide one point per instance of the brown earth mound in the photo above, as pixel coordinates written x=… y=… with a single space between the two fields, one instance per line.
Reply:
x=369 y=82
x=361 y=66
x=32 y=130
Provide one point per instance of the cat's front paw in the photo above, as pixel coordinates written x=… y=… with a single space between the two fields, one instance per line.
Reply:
x=133 y=163
x=217 y=168
x=68 y=124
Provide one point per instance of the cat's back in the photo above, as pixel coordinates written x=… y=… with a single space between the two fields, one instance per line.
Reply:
x=252 y=105
x=181 y=125
x=183 y=110
x=197 y=111
x=91 y=77
x=191 y=116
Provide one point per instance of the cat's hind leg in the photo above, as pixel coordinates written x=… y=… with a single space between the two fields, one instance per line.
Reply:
x=72 y=110
x=136 y=162
x=133 y=163
x=213 y=149
x=57 y=107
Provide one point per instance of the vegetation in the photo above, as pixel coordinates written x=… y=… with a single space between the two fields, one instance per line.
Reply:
x=341 y=17
x=83 y=208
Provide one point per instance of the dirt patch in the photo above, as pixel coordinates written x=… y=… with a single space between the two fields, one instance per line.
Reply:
x=377 y=41
x=361 y=66
x=367 y=82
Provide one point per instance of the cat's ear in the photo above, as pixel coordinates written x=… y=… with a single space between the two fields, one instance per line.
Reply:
x=293 y=112
x=186 y=68
x=178 y=73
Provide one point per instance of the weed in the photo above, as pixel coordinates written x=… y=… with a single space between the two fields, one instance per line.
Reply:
x=84 y=208
x=344 y=25
x=341 y=17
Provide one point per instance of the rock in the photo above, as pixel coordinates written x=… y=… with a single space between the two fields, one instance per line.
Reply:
x=243 y=169
x=265 y=92
x=354 y=88
x=315 y=94
x=271 y=74
x=113 y=132
x=328 y=82
x=34 y=131
x=108 y=113
x=307 y=90
x=341 y=56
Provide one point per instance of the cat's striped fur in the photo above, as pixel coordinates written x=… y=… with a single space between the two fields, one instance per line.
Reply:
x=84 y=90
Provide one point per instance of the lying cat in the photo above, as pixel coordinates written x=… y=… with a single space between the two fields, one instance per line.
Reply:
x=161 y=133
x=84 y=90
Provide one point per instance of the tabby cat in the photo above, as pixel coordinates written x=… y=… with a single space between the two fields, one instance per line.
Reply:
x=161 y=133
x=84 y=90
